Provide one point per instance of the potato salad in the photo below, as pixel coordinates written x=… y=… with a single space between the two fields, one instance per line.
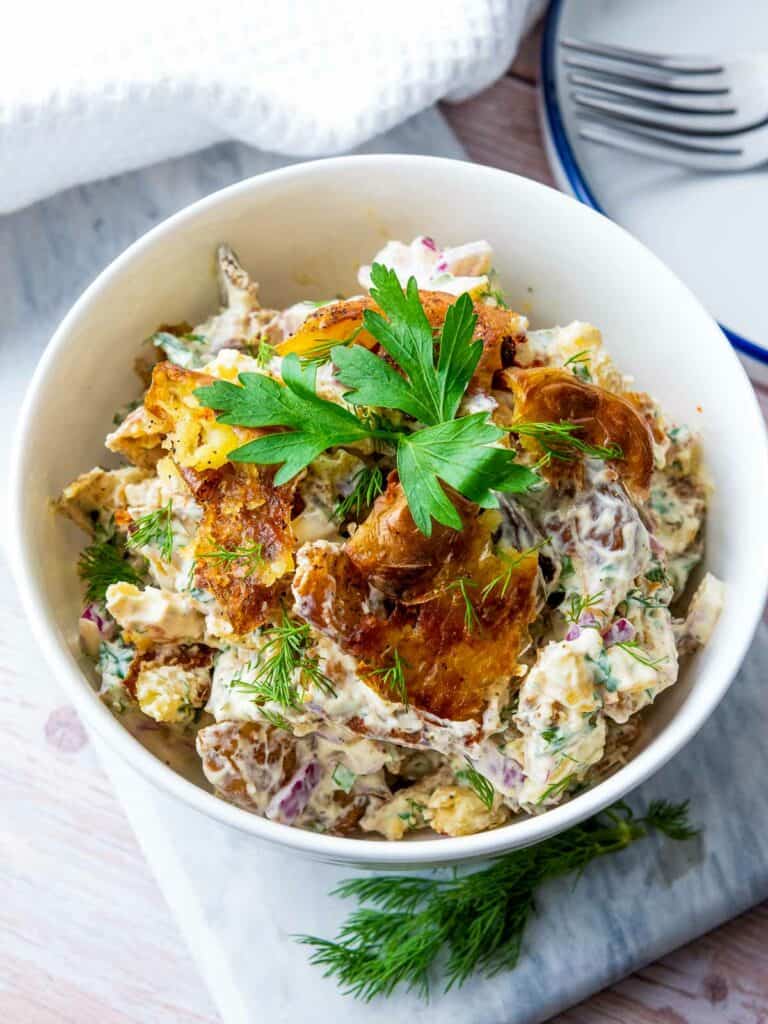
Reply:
x=392 y=564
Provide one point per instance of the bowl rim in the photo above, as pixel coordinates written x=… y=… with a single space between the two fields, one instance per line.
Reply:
x=354 y=851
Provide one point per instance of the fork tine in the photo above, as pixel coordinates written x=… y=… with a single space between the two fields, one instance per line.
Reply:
x=661 y=145
x=658 y=78
x=685 y=64
x=721 y=123
x=657 y=99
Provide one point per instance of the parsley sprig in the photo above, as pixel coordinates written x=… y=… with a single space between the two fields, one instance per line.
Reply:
x=404 y=922
x=427 y=385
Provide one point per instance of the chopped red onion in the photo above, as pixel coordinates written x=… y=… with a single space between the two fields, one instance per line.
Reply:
x=441 y=266
x=106 y=627
x=619 y=632
x=573 y=633
x=291 y=799
x=656 y=546
x=429 y=243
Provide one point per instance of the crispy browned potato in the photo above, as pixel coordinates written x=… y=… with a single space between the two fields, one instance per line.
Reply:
x=496 y=328
x=243 y=511
x=247 y=762
x=545 y=394
x=195 y=437
x=395 y=555
x=457 y=646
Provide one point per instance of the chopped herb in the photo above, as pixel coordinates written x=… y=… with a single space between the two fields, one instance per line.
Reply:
x=554 y=738
x=603 y=673
x=580 y=603
x=470 y=615
x=478 y=783
x=343 y=777
x=287 y=670
x=115 y=658
x=367 y=485
x=657 y=575
x=566 y=567
x=322 y=350
x=403 y=923
x=647 y=602
x=461 y=453
x=632 y=648
x=275 y=719
x=187 y=350
x=156 y=529
x=393 y=677
x=579 y=363
x=556 y=789
x=495 y=293
x=104 y=563
x=262 y=352
x=504 y=578
x=250 y=556
x=559 y=441
x=414 y=816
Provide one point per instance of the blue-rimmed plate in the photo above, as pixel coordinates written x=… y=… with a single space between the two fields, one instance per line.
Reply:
x=711 y=229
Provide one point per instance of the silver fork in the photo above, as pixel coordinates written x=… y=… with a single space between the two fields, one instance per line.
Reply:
x=695 y=111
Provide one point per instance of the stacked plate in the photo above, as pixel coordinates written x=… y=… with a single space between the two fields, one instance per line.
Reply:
x=710 y=228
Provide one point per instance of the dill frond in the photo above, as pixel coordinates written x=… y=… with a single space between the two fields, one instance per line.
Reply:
x=559 y=441
x=478 y=783
x=393 y=677
x=155 y=528
x=103 y=563
x=405 y=926
x=250 y=556
x=287 y=668
x=367 y=485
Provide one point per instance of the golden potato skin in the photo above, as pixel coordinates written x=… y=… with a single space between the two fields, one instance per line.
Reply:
x=544 y=394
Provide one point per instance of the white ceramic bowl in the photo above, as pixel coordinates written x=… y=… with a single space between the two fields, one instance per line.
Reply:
x=302 y=231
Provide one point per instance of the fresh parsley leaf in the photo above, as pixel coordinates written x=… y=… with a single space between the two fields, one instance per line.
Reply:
x=404 y=924
x=434 y=392
x=457 y=452
x=314 y=423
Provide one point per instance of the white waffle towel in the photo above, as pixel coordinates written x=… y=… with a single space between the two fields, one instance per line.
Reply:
x=90 y=89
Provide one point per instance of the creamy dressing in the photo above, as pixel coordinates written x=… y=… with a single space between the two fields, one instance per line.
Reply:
x=603 y=647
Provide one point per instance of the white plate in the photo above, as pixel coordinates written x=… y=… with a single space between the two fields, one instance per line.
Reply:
x=706 y=227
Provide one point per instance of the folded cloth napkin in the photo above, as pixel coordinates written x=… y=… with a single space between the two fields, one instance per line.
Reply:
x=89 y=89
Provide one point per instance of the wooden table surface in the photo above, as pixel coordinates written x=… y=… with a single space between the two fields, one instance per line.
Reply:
x=100 y=946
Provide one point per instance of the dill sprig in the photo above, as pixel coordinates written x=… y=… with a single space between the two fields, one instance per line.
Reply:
x=251 y=556
x=556 y=789
x=478 y=783
x=579 y=363
x=633 y=649
x=103 y=563
x=403 y=922
x=155 y=528
x=559 y=441
x=504 y=578
x=470 y=615
x=580 y=603
x=367 y=485
x=287 y=668
x=393 y=677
